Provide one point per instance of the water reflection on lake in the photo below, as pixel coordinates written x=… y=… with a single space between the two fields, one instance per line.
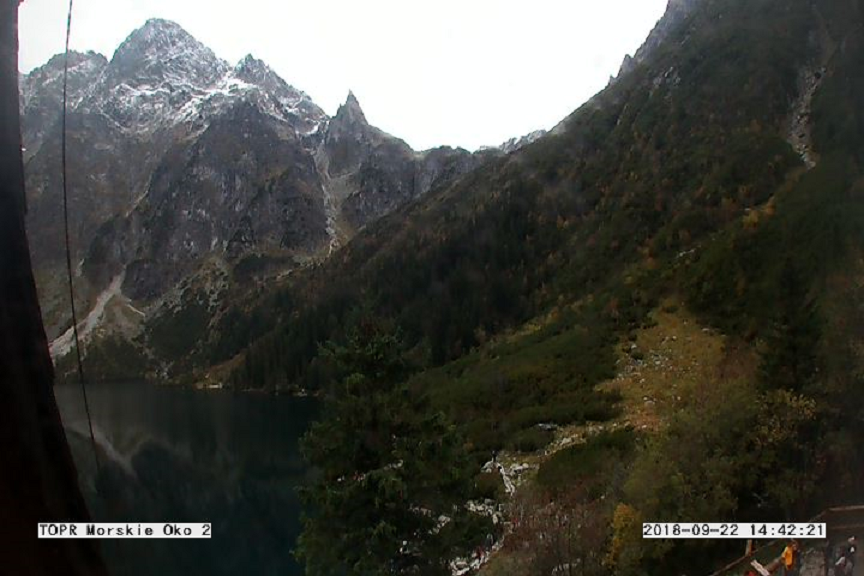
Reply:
x=179 y=455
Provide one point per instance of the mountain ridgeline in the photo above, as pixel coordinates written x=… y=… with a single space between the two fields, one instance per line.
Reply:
x=701 y=145
x=189 y=176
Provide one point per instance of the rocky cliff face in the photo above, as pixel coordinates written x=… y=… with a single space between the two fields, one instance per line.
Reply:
x=367 y=173
x=676 y=13
x=516 y=143
x=179 y=162
x=41 y=93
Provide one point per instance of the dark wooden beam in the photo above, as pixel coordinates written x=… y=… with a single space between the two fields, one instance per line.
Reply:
x=38 y=480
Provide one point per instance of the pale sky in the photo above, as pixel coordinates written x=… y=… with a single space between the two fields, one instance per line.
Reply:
x=458 y=72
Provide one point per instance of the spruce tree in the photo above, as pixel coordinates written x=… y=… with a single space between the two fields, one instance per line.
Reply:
x=789 y=359
x=391 y=476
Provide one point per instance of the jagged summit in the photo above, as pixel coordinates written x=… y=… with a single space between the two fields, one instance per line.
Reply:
x=676 y=12
x=252 y=66
x=351 y=112
x=290 y=103
x=162 y=50
x=164 y=24
x=681 y=4
x=350 y=122
x=81 y=64
x=75 y=57
x=159 y=30
x=255 y=71
x=157 y=35
x=515 y=143
x=161 y=77
x=41 y=92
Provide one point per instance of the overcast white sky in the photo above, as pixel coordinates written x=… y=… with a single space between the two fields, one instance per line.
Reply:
x=458 y=72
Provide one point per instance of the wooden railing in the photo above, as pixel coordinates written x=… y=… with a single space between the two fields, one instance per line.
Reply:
x=840 y=522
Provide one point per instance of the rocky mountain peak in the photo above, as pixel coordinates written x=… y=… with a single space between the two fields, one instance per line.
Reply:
x=514 y=144
x=257 y=72
x=41 y=92
x=291 y=104
x=349 y=122
x=351 y=112
x=161 y=51
x=157 y=34
x=681 y=4
x=252 y=68
x=76 y=59
x=84 y=68
x=676 y=12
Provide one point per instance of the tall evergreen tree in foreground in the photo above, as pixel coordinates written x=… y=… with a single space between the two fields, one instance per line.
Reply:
x=390 y=478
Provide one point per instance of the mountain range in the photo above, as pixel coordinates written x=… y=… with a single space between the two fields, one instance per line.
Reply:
x=185 y=169
x=651 y=313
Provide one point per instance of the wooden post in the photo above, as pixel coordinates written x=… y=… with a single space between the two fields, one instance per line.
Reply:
x=38 y=480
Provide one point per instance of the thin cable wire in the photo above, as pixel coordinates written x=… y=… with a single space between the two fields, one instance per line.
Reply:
x=66 y=234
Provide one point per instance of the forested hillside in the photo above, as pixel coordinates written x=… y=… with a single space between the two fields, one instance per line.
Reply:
x=718 y=179
x=642 y=191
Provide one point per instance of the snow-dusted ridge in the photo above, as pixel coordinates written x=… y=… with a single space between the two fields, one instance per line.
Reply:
x=516 y=143
x=161 y=77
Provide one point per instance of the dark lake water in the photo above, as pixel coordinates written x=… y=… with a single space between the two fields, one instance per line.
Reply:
x=178 y=455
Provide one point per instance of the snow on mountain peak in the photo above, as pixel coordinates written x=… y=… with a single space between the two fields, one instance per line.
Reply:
x=285 y=101
x=255 y=71
x=162 y=51
x=46 y=81
x=252 y=66
x=514 y=144
x=161 y=76
x=159 y=34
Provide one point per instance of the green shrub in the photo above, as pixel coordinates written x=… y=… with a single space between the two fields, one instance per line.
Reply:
x=488 y=486
x=531 y=440
x=586 y=461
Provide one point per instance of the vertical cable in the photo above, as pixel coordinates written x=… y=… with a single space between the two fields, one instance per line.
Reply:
x=66 y=235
